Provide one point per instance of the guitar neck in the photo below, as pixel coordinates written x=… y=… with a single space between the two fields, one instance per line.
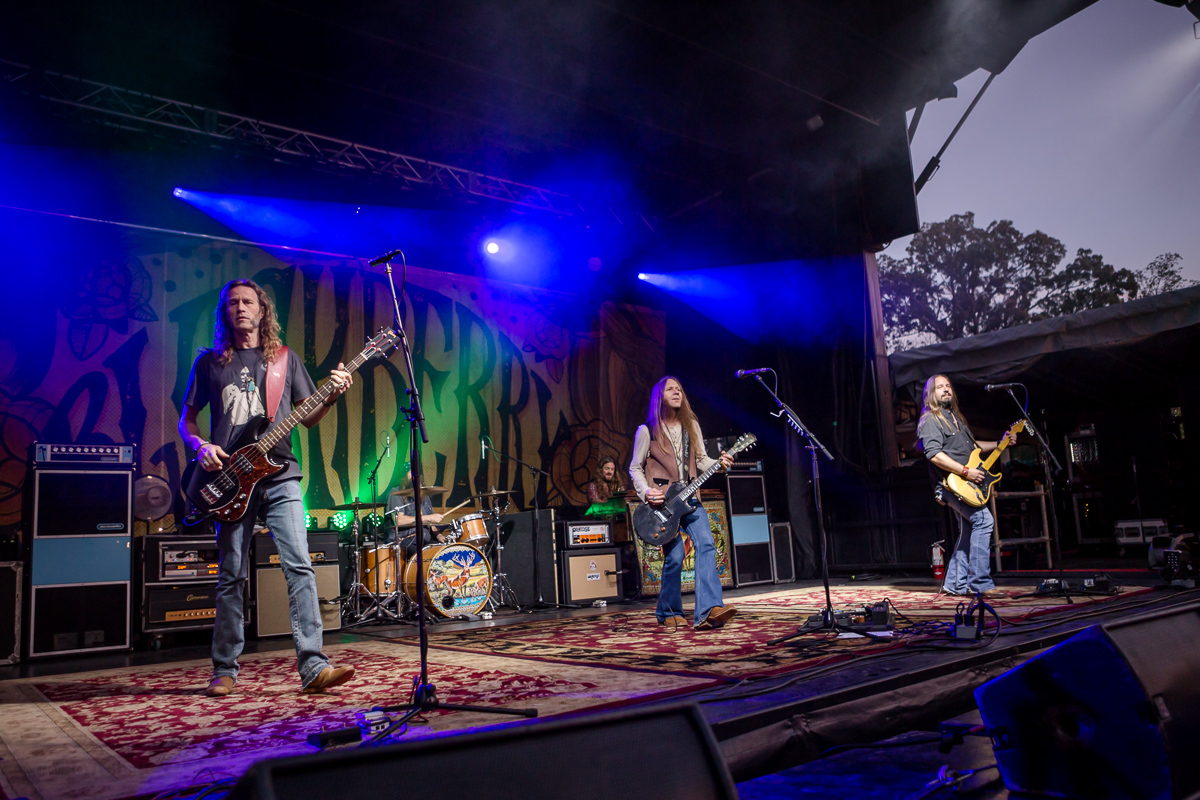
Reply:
x=694 y=486
x=308 y=406
x=990 y=460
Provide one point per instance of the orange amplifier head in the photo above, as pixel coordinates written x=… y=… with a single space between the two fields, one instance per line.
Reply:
x=590 y=533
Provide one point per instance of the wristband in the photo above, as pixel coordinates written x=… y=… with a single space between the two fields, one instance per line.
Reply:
x=966 y=470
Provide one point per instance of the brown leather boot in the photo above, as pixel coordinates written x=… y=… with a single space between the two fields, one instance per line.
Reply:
x=328 y=678
x=717 y=617
x=220 y=686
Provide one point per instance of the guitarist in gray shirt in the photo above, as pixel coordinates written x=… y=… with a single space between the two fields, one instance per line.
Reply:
x=668 y=449
x=947 y=442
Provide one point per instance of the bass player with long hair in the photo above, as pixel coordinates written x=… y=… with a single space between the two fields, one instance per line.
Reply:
x=667 y=449
x=231 y=379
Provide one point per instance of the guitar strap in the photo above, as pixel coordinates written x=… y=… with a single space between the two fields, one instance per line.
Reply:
x=276 y=373
x=687 y=449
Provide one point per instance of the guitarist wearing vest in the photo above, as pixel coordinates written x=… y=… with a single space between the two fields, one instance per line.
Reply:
x=947 y=442
x=667 y=449
x=232 y=380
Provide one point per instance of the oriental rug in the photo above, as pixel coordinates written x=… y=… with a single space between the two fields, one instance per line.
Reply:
x=634 y=640
x=145 y=730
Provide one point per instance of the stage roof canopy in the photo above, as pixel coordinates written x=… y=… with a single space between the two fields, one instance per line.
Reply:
x=998 y=356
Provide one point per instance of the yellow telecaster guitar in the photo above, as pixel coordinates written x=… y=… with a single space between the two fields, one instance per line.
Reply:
x=978 y=494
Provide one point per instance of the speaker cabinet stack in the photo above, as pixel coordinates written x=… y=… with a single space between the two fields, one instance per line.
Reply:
x=749 y=531
x=271 y=615
x=81 y=562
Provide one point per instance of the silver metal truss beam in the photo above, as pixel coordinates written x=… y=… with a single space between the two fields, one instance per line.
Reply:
x=127 y=109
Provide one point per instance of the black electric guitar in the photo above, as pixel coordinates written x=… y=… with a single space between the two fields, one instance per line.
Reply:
x=225 y=494
x=658 y=525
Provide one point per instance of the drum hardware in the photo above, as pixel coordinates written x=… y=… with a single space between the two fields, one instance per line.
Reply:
x=499 y=579
x=364 y=569
x=424 y=490
x=355 y=506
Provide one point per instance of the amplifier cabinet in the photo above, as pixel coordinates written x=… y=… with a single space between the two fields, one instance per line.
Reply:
x=781 y=552
x=589 y=533
x=322 y=549
x=167 y=607
x=753 y=558
x=10 y=609
x=171 y=559
x=592 y=574
x=81 y=502
x=269 y=598
x=78 y=618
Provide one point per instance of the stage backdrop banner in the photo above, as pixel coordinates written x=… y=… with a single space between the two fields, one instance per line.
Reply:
x=650 y=558
x=552 y=379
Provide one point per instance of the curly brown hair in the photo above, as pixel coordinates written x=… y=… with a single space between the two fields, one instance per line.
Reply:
x=268 y=331
x=605 y=488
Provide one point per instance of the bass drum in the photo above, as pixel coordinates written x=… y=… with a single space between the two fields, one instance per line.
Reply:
x=457 y=579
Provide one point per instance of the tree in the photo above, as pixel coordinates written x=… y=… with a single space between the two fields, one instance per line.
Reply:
x=961 y=280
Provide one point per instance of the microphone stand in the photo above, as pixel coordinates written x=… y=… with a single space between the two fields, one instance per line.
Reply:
x=1048 y=456
x=424 y=694
x=540 y=602
x=828 y=623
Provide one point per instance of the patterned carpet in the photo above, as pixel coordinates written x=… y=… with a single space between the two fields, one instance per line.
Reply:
x=634 y=640
x=120 y=733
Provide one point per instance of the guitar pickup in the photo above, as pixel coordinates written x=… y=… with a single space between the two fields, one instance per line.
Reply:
x=210 y=494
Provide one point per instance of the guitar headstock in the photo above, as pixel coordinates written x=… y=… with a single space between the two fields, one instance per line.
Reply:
x=1018 y=427
x=380 y=343
x=744 y=442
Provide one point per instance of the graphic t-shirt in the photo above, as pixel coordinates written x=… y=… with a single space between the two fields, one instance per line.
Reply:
x=236 y=394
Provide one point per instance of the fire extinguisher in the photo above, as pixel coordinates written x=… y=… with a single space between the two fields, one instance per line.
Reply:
x=939 y=560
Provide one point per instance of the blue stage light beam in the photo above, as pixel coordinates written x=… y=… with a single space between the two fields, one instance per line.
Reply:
x=791 y=302
x=429 y=238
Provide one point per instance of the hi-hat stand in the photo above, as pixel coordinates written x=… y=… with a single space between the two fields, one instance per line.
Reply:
x=828 y=622
x=424 y=694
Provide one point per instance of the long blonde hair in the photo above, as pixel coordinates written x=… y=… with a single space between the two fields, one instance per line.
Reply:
x=268 y=331
x=931 y=407
x=656 y=420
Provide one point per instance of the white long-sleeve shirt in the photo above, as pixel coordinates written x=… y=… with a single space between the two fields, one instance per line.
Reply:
x=641 y=451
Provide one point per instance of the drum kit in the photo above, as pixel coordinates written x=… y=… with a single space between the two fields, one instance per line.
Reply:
x=461 y=572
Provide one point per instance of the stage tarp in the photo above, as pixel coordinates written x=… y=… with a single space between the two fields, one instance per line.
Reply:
x=999 y=355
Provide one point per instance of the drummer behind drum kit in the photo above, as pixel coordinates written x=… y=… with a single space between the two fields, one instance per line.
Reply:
x=458 y=570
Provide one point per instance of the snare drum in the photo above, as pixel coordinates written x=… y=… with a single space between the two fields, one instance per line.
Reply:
x=471 y=530
x=377 y=568
x=457 y=579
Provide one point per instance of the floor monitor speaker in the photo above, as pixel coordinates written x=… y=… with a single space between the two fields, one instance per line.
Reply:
x=1113 y=711
x=597 y=756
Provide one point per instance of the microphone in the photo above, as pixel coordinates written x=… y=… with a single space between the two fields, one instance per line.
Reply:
x=375 y=262
x=993 y=387
x=483 y=447
x=746 y=373
x=387 y=445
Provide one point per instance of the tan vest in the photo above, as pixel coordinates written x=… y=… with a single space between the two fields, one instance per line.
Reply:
x=660 y=463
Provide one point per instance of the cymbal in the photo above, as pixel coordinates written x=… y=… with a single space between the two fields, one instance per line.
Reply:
x=424 y=490
x=494 y=493
x=356 y=506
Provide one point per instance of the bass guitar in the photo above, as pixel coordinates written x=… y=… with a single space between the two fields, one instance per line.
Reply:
x=974 y=494
x=225 y=494
x=658 y=525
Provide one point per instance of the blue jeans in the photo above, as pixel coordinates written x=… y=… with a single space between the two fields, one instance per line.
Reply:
x=708 y=584
x=968 y=570
x=281 y=508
